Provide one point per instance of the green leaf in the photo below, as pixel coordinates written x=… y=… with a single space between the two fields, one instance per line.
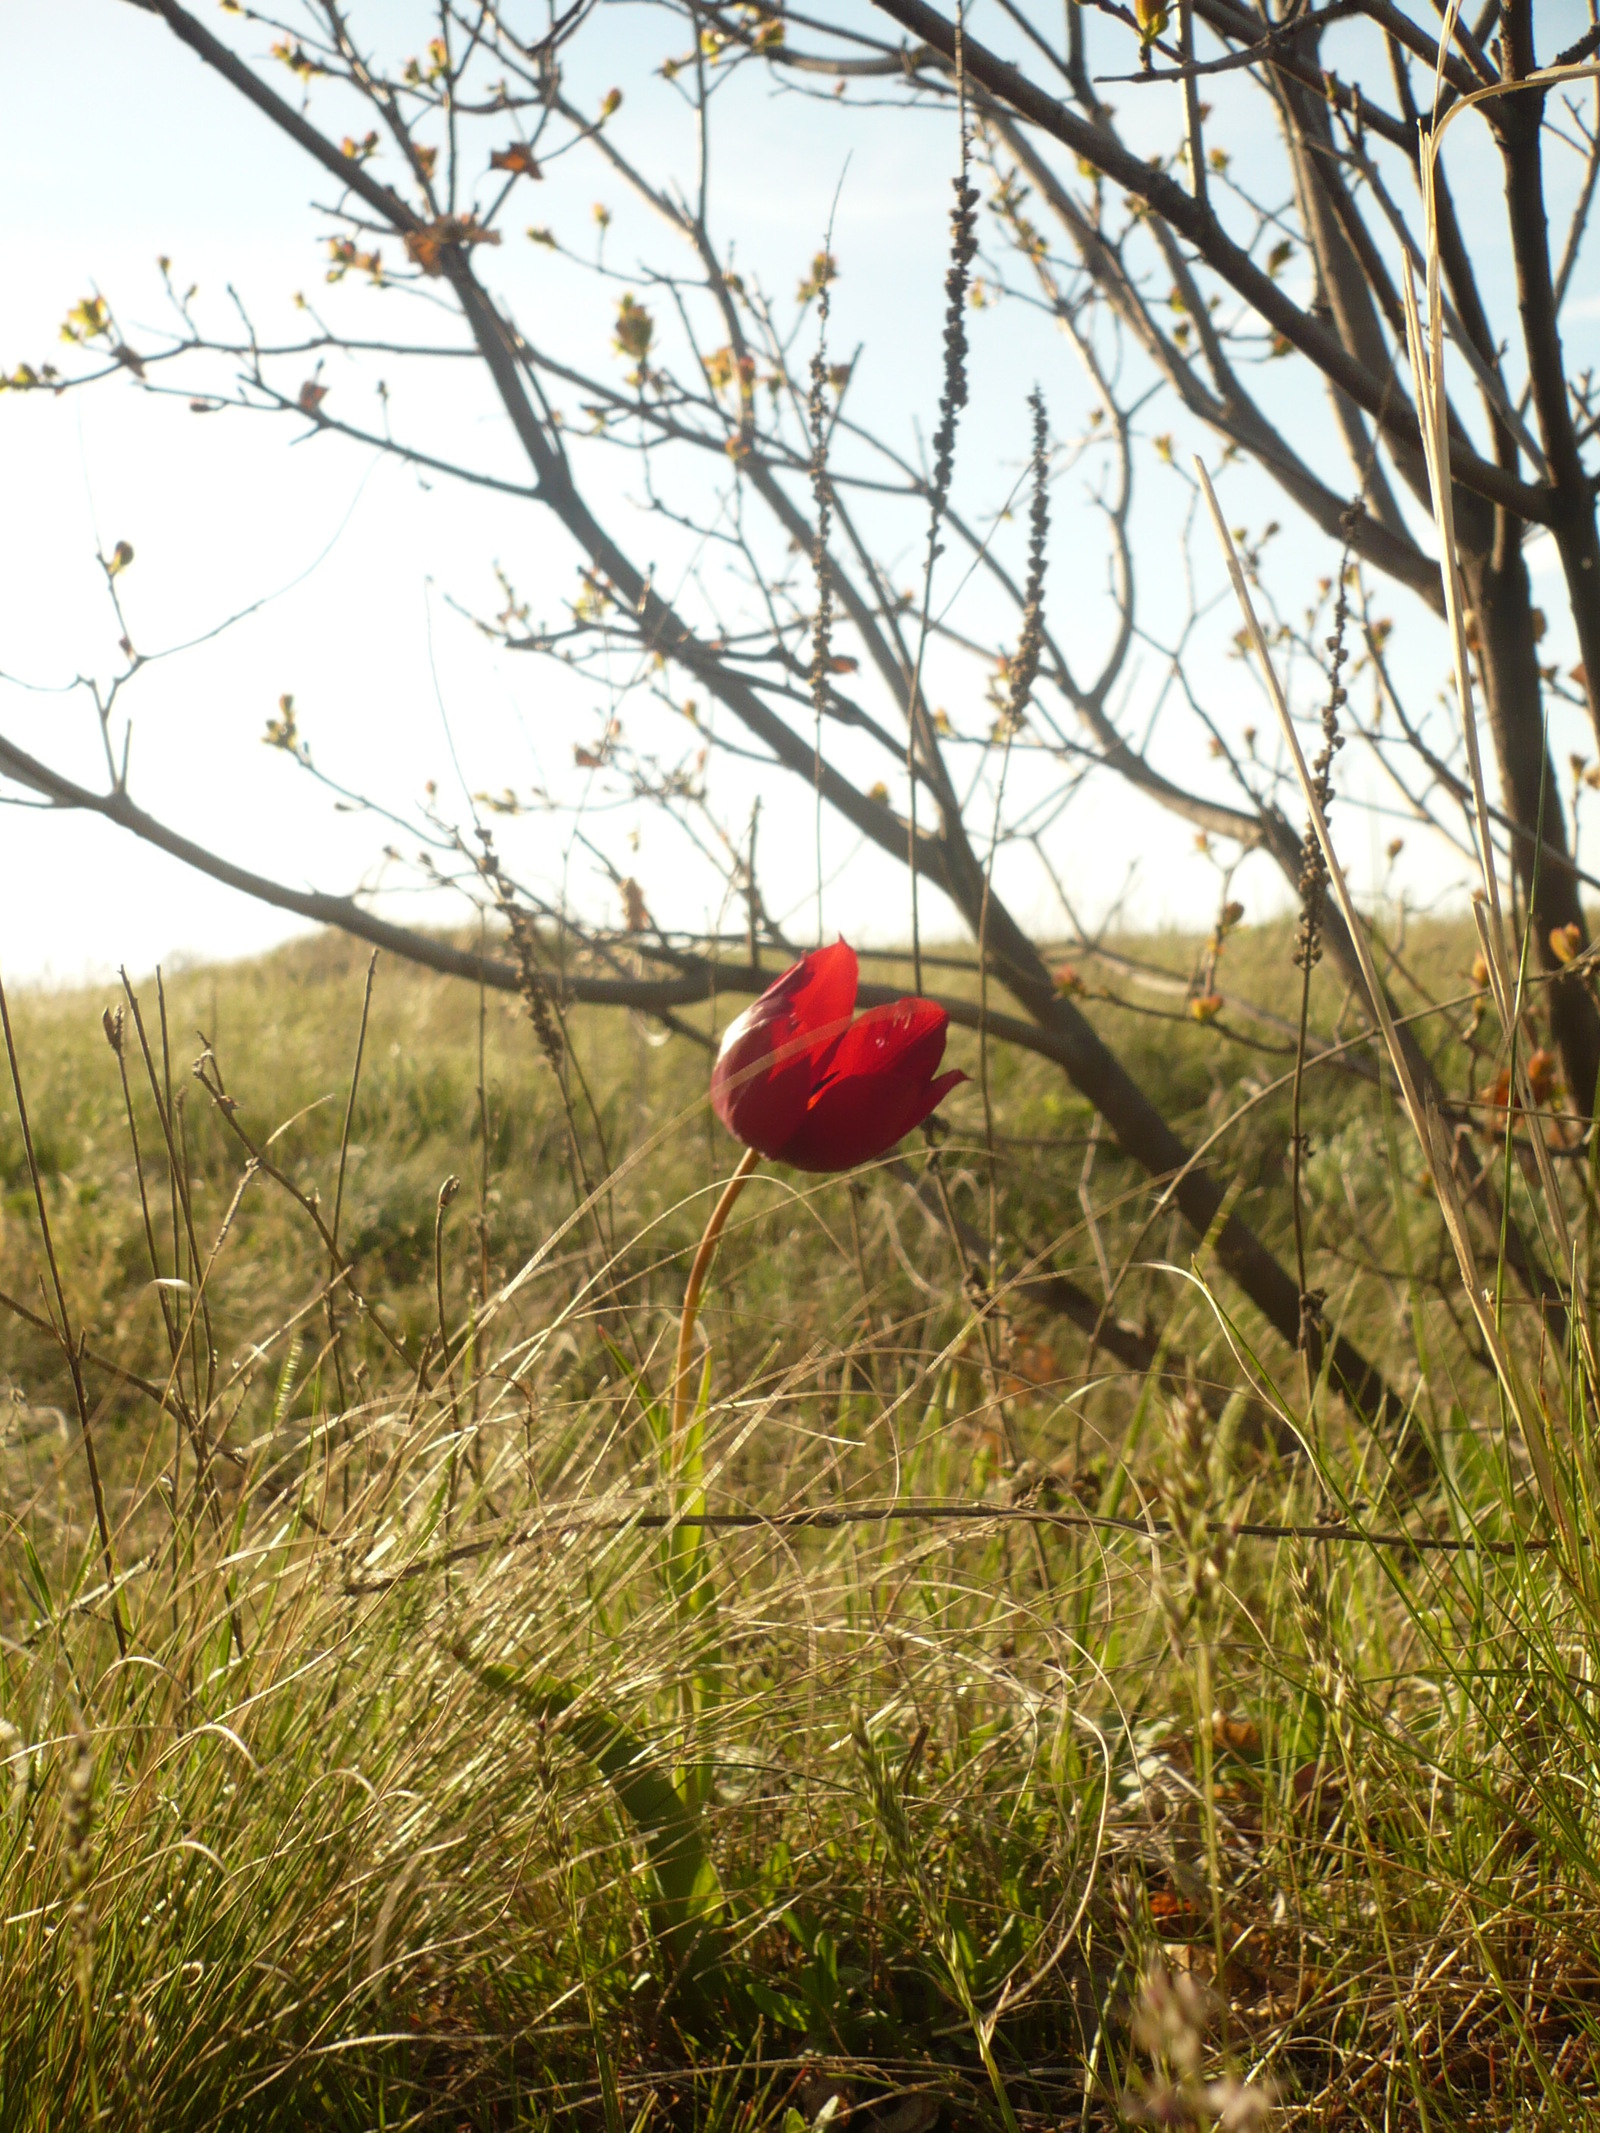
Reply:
x=690 y=1910
x=777 y=2007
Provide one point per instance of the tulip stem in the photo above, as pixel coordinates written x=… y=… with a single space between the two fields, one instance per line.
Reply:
x=691 y=1298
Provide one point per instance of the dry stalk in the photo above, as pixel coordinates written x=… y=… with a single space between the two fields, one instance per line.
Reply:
x=1021 y=675
x=1427 y=365
x=71 y=1345
x=1424 y=1117
x=78 y=1815
x=952 y=399
x=822 y=627
x=1313 y=887
x=1427 y=369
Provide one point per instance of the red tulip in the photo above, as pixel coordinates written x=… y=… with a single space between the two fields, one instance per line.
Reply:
x=799 y=1081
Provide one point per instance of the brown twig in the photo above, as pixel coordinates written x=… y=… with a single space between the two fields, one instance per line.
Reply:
x=834 y=1517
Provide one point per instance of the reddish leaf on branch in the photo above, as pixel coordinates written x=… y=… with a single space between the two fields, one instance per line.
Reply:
x=636 y=913
x=426 y=248
x=801 y=1082
x=1566 y=942
x=1544 y=1085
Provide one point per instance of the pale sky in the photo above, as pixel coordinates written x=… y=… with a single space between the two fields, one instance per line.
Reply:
x=116 y=146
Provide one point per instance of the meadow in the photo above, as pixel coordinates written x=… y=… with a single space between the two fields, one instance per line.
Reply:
x=978 y=1719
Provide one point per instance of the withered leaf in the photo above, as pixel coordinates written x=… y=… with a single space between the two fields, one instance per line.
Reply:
x=426 y=247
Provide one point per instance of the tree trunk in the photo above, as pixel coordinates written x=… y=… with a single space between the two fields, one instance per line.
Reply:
x=1502 y=605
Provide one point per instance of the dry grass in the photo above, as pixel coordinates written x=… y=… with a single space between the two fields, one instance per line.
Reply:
x=453 y=1779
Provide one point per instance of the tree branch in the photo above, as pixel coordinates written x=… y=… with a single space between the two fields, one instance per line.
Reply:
x=1377 y=396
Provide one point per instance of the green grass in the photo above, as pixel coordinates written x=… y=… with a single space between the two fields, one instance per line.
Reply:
x=440 y=1787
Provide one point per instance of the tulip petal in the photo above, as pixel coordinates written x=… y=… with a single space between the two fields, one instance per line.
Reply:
x=822 y=988
x=880 y=1084
x=773 y=1055
x=903 y=1038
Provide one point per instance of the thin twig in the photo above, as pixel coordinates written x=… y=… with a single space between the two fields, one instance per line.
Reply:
x=834 y=1517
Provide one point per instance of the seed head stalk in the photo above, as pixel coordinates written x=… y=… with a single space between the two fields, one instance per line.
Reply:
x=1022 y=674
x=1313 y=887
x=822 y=629
x=963 y=249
